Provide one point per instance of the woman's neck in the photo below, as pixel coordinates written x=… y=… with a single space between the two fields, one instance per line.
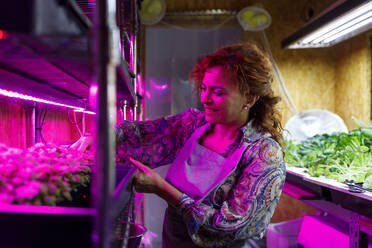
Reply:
x=220 y=137
x=225 y=132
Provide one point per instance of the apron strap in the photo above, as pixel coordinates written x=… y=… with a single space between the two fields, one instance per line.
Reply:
x=196 y=135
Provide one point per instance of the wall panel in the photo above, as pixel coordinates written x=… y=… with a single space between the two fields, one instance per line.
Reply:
x=353 y=79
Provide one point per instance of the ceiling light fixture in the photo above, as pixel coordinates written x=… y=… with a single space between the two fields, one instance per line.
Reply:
x=342 y=22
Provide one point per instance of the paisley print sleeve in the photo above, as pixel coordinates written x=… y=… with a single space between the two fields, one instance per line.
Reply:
x=249 y=205
x=156 y=142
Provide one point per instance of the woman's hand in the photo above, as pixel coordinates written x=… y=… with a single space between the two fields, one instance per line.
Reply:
x=148 y=181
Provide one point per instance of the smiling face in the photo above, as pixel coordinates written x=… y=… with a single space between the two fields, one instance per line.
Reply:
x=222 y=99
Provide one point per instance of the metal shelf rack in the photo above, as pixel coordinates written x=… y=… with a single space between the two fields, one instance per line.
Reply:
x=335 y=199
x=53 y=51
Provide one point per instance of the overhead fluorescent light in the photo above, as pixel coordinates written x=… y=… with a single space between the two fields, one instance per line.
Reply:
x=344 y=21
x=349 y=26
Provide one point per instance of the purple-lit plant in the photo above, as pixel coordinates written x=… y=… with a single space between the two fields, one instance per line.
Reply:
x=44 y=174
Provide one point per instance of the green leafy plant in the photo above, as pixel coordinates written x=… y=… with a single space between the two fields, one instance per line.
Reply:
x=339 y=156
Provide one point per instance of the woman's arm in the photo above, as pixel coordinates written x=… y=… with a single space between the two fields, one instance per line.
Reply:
x=249 y=207
x=156 y=142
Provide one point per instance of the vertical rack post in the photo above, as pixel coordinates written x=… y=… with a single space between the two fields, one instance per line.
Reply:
x=33 y=124
x=354 y=230
x=137 y=107
x=36 y=120
x=106 y=37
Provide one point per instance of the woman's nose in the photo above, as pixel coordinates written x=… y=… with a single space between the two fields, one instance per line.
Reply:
x=205 y=98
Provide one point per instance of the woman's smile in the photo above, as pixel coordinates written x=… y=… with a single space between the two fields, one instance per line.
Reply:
x=209 y=110
x=221 y=98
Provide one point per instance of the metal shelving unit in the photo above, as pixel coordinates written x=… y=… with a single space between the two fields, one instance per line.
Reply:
x=50 y=52
x=334 y=198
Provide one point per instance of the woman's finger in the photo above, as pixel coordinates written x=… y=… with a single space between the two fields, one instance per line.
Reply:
x=138 y=164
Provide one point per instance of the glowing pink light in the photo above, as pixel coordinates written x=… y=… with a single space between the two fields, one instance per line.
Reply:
x=35 y=99
x=131 y=52
x=84 y=111
x=139 y=84
x=3 y=34
x=11 y=208
x=120 y=47
x=131 y=114
x=148 y=95
x=93 y=90
x=159 y=87
x=323 y=231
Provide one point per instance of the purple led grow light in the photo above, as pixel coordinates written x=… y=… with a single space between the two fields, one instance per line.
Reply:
x=86 y=112
x=131 y=52
x=52 y=210
x=13 y=94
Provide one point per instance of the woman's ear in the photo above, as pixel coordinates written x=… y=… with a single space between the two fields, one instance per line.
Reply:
x=251 y=100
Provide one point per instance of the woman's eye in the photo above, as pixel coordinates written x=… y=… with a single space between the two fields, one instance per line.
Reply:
x=218 y=92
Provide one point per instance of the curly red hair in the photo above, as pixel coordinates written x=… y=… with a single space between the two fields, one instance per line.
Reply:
x=251 y=69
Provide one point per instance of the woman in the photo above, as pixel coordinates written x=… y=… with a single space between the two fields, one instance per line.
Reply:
x=227 y=167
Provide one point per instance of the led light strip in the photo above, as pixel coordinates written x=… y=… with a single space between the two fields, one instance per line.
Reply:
x=86 y=112
x=13 y=94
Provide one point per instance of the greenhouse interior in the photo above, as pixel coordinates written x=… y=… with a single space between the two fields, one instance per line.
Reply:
x=186 y=123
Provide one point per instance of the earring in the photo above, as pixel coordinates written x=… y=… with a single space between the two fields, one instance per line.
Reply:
x=245 y=107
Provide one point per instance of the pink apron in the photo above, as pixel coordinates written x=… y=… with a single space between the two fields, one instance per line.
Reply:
x=196 y=171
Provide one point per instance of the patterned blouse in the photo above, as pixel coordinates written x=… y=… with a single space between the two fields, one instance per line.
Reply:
x=242 y=206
